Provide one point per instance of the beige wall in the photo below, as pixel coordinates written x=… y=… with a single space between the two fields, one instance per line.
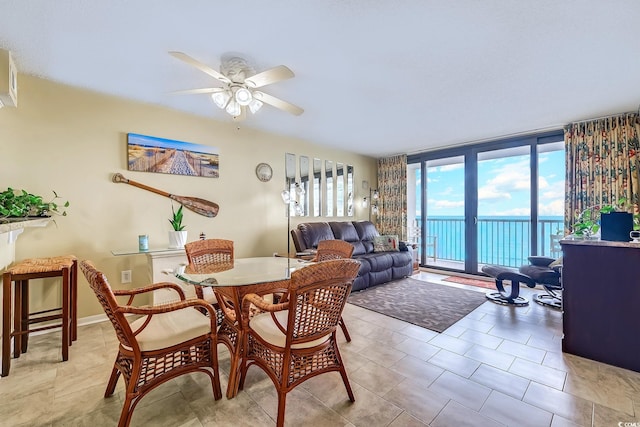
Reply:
x=71 y=141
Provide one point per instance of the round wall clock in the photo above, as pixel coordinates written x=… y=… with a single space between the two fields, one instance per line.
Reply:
x=264 y=172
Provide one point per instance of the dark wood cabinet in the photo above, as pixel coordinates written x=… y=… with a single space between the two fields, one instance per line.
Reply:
x=601 y=301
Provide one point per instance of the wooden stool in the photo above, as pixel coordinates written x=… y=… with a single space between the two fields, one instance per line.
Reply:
x=20 y=274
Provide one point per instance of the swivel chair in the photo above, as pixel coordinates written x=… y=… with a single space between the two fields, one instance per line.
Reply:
x=541 y=271
x=546 y=271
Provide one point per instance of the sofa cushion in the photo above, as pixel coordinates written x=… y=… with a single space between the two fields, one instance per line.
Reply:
x=378 y=261
x=358 y=248
x=367 y=232
x=344 y=231
x=401 y=259
x=385 y=243
x=313 y=232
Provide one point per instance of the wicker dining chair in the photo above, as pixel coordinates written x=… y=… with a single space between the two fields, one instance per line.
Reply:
x=164 y=342
x=208 y=256
x=335 y=249
x=296 y=340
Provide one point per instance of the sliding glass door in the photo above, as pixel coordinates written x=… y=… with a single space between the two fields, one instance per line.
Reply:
x=444 y=222
x=503 y=221
x=495 y=203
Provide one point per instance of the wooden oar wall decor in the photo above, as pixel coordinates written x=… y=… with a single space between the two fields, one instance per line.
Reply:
x=197 y=205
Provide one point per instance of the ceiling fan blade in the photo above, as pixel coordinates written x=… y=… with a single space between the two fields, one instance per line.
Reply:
x=278 y=103
x=197 y=91
x=200 y=66
x=272 y=75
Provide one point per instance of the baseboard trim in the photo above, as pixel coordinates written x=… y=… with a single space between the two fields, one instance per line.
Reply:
x=83 y=321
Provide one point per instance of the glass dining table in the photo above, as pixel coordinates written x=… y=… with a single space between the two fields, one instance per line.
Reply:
x=259 y=275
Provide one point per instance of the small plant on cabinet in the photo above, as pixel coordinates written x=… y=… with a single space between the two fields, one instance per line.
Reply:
x=176 y=219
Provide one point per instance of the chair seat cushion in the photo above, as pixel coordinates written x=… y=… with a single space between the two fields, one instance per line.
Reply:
x=264 y=326
x=542 y=275
x=208 y=295
x=168 y=329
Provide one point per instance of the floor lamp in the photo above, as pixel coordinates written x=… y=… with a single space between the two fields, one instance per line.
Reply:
x=374 y=196
x=297 y=208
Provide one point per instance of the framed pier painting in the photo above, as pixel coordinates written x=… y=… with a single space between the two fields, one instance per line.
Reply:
x=161 y=155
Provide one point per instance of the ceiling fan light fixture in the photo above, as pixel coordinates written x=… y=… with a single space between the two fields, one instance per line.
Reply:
x=221 y=98
x=238 y=81
x=243 y=96
x=255 y=105
x=233 y=108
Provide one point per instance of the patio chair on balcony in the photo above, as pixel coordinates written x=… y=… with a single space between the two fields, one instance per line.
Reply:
x=431 y=242
x=556 y=250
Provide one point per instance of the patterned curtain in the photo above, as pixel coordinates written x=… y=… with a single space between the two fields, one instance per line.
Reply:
x=602 y=163
x=392 y=187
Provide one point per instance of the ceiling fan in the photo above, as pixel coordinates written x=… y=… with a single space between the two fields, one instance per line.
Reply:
x=239 y=82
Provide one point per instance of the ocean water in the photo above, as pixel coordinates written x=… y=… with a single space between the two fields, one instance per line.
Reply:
x=502 y=240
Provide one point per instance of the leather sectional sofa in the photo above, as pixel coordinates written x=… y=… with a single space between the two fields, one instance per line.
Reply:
x=376 y=267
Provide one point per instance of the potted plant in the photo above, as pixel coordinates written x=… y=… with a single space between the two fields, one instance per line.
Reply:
x=613 y=221
x=178 y=236
x=616 y=221
x=21 y=205
x=586 y=225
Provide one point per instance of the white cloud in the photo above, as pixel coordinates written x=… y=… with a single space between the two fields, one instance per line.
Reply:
x=510 y=179
x=514 y=212
x=542 y=183
x=446 y=191
x=491 y=193
x=551 y=208
x=452 y=167
x=445 y=204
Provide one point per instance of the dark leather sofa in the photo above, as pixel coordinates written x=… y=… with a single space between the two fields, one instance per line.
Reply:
x=375 y=267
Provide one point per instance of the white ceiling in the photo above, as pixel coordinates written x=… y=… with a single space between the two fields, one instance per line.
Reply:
x=377 y=77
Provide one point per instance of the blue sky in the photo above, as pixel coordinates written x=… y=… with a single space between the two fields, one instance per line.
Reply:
x=134 y=138
x=503 y=187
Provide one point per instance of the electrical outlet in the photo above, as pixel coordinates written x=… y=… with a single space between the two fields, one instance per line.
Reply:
x=125 y=276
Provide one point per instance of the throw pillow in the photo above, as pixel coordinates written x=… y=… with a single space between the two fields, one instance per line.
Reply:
x=385 y=243
x=556 y=263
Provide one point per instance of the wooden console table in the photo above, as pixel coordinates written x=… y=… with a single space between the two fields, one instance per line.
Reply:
x=600 y=301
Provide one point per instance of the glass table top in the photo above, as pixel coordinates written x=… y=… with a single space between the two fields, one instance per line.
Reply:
x=247 y=271
x=135 y=251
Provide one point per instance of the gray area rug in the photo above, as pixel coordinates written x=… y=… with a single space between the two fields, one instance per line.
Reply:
x=425 y=304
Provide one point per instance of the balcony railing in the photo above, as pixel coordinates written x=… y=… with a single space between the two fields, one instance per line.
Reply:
x=501 y=241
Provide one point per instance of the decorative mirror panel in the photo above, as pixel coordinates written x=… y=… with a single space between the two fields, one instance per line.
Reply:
x=314 y=189
x=340 y=189
x=350 y=189
x=304 y=183
x=317 y=187
x=329 y=179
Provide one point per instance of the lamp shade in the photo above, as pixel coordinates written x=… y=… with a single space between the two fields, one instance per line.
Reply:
x=221 y=98
x=255 y=105
x=233 y=108
x=286 y=196
x=243 y=96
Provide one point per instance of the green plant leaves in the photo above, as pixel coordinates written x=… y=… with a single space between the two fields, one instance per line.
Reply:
x=176 y=220
x=20 y=203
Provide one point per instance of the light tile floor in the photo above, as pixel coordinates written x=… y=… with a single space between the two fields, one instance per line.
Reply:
x=497 y=366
